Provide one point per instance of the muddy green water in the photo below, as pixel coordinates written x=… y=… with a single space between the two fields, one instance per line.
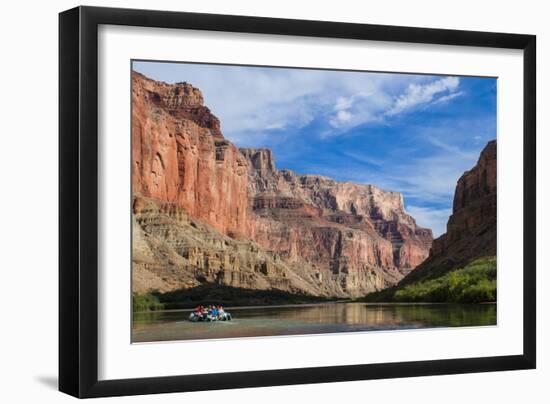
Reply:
x=310 y=319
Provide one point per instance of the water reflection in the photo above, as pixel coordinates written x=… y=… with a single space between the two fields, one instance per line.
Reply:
x=311 y=319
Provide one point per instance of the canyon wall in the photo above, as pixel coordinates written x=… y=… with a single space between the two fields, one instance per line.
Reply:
x=472 y=227
x=179 y=155
x=207 y=212
x=340 y=224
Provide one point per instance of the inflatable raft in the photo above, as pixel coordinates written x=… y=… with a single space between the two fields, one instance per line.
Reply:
x=195 y=317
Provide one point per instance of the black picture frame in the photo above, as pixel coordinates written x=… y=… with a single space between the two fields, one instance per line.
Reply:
x=78 y=201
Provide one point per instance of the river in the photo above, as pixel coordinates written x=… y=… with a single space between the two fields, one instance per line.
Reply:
x=309 y=319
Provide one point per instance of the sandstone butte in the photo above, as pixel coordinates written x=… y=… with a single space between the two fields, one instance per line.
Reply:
x=205 y=211
x=472 y=227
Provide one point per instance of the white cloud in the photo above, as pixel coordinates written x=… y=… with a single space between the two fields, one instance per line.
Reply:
x=478 y=139
x=447 y=98
x=357 y=110
x=363 y=158
x=249 y=100
x=278 y=102
x=342 y=117
x=432 y=178
x=276 y=125
x=343 y=103
x=435 y=136
x=418 y=94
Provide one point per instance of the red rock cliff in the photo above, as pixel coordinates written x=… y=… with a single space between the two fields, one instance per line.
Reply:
x=300 y=233
x=471 y=229
x=380 y=232
x=179 y=155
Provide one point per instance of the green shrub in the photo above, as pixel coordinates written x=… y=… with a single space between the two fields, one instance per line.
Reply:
x=146 y=302
x=474 y=283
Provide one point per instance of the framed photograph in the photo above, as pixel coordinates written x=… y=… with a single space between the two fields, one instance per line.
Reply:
x=251 y=201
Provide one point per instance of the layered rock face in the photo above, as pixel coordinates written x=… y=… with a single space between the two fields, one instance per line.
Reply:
x=339 y=226
x=172 y=250
x=179 y=155
x=472 y=228
x=206 y=212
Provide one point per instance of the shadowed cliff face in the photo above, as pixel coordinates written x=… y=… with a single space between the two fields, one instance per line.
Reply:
x=472 y=228
x=207 y=212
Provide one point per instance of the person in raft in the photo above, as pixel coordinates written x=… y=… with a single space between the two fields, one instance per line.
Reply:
x=209 y=313
x=198 y=311
x=222 y=314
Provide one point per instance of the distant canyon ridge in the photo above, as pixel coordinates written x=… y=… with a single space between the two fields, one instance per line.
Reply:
x=207 y=212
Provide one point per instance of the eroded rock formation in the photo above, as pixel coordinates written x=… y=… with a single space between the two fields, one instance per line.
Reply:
x=179 y=155
x=207 y=212
x=472 y=228
x=339 y=225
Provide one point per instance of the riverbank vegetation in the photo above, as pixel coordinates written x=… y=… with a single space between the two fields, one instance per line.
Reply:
x=474 y=283
x=232 y=296
x=218 y=294
x=146 y=302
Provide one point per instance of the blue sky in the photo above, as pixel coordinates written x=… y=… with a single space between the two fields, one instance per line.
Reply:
x=415 y=134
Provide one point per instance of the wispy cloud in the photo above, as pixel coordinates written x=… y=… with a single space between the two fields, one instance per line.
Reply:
x=275 y=100
x=432 y=218
x=364 y=158
x=421 y=94
x=342 y=117
x=453 y=150
x=360 y=108
x=431 y=178
x=343 y=103
x=357 y=109
x=446 y=98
